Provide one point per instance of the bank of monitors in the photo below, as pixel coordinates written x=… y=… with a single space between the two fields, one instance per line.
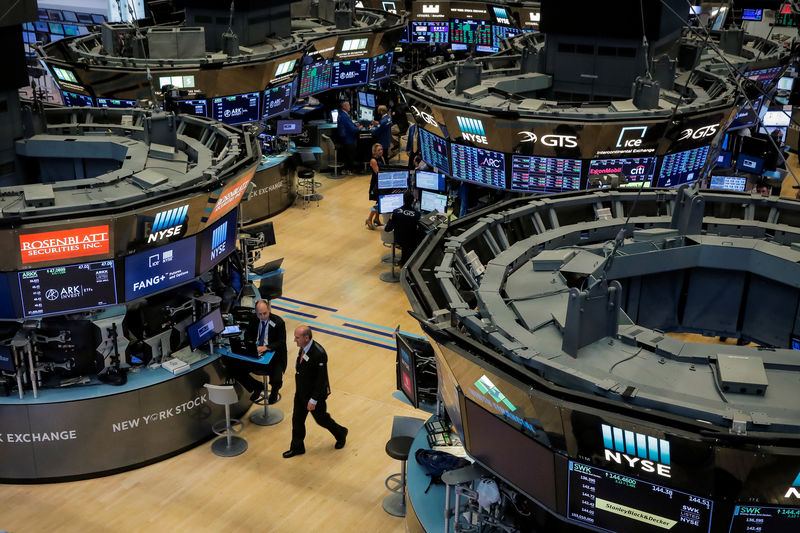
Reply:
x=218 y=241
x=289 y=127
x=728 y=183
x=637 y=171
x=205 y=329
x=316 y=77
x=614 y=502
x=65 y=289
x=478 y=32
x=349 y=73
x=278 y=100
x=393 y=180
x=236 y=109
x=159 y=268
x=389 y=202
x=381 y=66
x=430 y=32
x=366 y=99
x=432 y=201
x=76 y=100
x=477 y=165
x=752 y=14
x=115 y=103
x=682 y=167
x=433 y=150
x=545 y=174
x=433 y=181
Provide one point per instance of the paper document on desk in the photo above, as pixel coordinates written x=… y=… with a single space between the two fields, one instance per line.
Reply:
x=176 y=366
x=458 y=451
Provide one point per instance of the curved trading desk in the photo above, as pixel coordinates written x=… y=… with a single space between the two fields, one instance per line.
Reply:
x=101 y=429
x=275 y=188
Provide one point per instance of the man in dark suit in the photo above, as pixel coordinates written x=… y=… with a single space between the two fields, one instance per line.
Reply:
x=268 y=330
x=311 y=378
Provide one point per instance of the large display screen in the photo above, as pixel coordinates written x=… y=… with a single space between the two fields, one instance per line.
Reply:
x=393 y=180
x=757 y=518
x=431 y=201
x=236 y=109
x=278 y=99
x=218 y=241
x=389 y=202
x=66 y=289
x=429 y=180
x=471 y=32
x=316 y=77
x=500 y=33
x=430 y=32
x=615 y=502
x=205 y=329
x=160 y=268
x=76 y=100
x=484 y=167
x=545 y=174
x=381 y=66
x=683 y=167
x=433 y=150
x=350 y=72
x=728 y=183
x=193 y=107
x=635 y=169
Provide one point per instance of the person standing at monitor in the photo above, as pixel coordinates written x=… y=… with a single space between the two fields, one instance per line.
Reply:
x=376 y=164
x=348 y=133
x=404 y=225
x=382 y=131
x=311 y=392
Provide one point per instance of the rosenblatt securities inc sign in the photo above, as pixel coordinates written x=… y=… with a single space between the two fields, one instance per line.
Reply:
x=64 y=244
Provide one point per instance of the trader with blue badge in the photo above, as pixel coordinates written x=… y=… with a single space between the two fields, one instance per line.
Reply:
x=382 y=131
x=348 y=133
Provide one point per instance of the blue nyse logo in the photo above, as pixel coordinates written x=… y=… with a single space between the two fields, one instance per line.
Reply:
x=168 y=223
x=218 y=240
x=472 y=129
x=636 y=450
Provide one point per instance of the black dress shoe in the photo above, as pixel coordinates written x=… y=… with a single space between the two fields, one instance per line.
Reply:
x=291 y=453
x=255 y=395
x=341 y=441
x=273 y=398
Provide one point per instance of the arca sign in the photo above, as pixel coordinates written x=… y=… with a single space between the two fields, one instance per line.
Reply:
x=560 y=141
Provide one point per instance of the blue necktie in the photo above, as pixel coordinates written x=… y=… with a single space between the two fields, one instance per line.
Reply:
x=261 y=335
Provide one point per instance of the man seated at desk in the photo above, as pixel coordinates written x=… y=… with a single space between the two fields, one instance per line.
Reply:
x=268 y=331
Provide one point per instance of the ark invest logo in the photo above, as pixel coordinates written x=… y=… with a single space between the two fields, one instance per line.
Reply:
x=793 y=492
x=168 y=223
x=472 y=130
x=636 y=450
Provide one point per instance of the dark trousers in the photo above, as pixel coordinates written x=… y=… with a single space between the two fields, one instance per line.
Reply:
x=321 y=417
x=241 y=370
x=349 y=156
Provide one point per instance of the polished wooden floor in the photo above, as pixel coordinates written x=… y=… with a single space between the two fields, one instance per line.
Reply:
x=330 y=260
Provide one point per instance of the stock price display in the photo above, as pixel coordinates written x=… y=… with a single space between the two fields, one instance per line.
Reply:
x=500 y=33
x=476 y=165
x=278 y=99
x=615 y=502
x=434 y=151
x=430 y=32
x=381 y=66
x=637 y=170
x=683 y=167
x=316 y=77
x=236 y=109
x=471 y=32
x=76 y=100
x=759 y=519
x=351 y=72
x=66 y=289
x=545 y=174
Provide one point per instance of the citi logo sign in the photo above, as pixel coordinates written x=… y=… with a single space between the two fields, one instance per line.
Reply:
x=218 y=240
x=637 y=171
x=168 y=224
x=793 y=492
x=432 y=8
x=472 y=130
x=636 y=450
x=631 y=136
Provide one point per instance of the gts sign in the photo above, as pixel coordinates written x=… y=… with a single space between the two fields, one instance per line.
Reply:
x=699 y=133
x=554 y=141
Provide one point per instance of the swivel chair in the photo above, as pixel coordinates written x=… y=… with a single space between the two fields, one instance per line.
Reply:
x=266 y=416
x=228 y=445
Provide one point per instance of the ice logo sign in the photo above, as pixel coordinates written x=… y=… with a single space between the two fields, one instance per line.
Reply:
x=636 y=450
x=472 y=130
x=168 y=224
x=631 y=136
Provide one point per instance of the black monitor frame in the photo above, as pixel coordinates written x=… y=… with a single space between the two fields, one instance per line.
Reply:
x=196 y=338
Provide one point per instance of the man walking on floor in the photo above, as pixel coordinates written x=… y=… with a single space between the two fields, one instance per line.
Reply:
x=313 y=388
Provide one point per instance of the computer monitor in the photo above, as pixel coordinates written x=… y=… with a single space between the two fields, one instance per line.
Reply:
x=366 y=113
x=795 y=342
x=719 y=14
x=457 y=47
x=366 y=99
x=335 y=116
x=728 y=183
x=393 y=180
x=290 y=127
x=752 y=14
x=777 y=118
x=415 y=369
x=205 y=329
x=431 y=201
x=237 y=108
x=750 y=163
x=350 y=72
x=767 y=130
x=433 y=181
x=389 y=202
x=278 y=100
x=724 y=159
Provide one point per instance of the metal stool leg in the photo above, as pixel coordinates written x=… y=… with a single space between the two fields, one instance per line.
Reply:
x=391 y=277
x=230 y=445
x=267 y=416
x=395 y=503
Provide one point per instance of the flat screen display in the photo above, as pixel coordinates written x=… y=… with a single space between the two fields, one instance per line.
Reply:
x=350 y=72
x=114 y=103
x=785 y=83
x=429 y=180
x=477 y=32
x=205 y=329
x=752 y=14
x=64 y=74
x=777 y=118
x=615 y=502
x=389 y=202
x=406 y=371
x=430 y=32
x=458 y=47
x=366 y=99
x=65 y=289
x=193 y=107
x=76 y=100
x=433 y=150
x=750 y=163
x=724 y=159
x=501 y=33
x=682 y=167
x=236 y=109
x=476 y=165
x=545 y=174
x=278 y=100
x=767 y=130
x=381 y=66
x=289 y=127
x=316 y=77
x=760 y=519
x=635 y=169
x=366 y=114
x=728 y=183
x=218 y=241
x=285 y=68
x=501 y=15
x=393 y=180
x=160 y=268
x=431 y=201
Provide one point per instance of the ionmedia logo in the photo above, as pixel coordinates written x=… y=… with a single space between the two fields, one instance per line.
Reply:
x=472 y=130
x=168 y=224
x=636 y=450
x=793 y=492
